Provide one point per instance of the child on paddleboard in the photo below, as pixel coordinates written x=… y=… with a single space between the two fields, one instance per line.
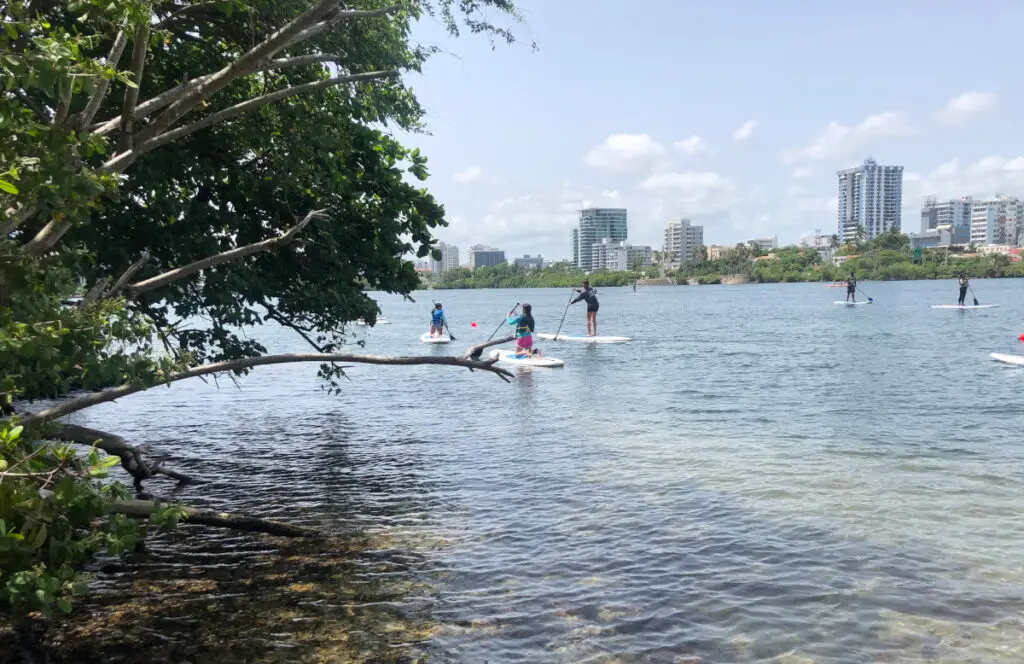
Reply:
x=589 y=295
x=437 y=320
x=524 y=332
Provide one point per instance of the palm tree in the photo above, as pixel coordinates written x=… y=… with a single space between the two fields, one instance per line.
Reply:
x=700 y=253
x=834 y=242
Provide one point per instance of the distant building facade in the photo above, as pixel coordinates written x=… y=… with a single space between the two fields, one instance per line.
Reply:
x=529 y=262
x=717 y=252
x=597 y=224
x=998 y=221
x=870 y=196
x=766 y=243
x=954 y=213
x=484 y=256
x=620 y=256
x=449 y=259
x=681 y=238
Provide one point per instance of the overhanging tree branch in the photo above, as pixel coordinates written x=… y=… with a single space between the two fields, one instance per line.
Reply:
x=131 y=93
x=93 y=106
x=128 y=275
x=167 y=97
x=253 y=104
x=244 y=65
x=89 y=400
x=224 y=257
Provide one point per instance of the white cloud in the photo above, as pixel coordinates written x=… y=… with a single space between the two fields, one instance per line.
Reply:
x=610 y=194
x=626 y=153
x=802 y=173
x=693 y=192
x=745 y=131
x=966 y=105
x=837 y=141
x=982 y=179
x=693 y=145
x=471 y=174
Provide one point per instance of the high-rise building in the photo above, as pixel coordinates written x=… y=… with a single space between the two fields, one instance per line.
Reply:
x=955 y=213
x=484 y=256
x=681 y=238
x=997 y=221
x=449 y=259
x=597 y=224
x=529 y=262
x=870 y=196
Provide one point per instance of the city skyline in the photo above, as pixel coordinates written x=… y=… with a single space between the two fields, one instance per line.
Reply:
x=681 y=138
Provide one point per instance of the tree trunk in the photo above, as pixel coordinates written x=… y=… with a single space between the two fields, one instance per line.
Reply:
x=145 y=508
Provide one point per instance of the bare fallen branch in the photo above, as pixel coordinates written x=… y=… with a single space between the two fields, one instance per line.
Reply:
x=253 y=104
x=145 y=508
x=112 y=394
x=131 y=457
x=473 y=352
x=224 y=257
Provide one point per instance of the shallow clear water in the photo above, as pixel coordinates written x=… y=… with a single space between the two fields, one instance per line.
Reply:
x=760 y=476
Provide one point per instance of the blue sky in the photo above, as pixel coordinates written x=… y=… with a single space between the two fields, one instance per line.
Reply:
x=735 y=114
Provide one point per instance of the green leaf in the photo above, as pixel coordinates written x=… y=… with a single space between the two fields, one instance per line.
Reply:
x=63 y=604
x=8 y=188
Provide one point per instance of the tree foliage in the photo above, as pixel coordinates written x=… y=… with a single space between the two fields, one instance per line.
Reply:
x=162 y=161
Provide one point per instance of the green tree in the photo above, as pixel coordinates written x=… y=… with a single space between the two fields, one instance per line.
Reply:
x=144 y=145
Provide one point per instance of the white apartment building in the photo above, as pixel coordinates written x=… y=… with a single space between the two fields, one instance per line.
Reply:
x=766 y=243
x=870 y=196
x=954 y=213
x=619 y=256
x=528 y=262
x=681 y=238
x=998 y=221
x=449 y=259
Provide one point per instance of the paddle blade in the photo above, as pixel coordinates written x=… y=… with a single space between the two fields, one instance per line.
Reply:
x=976 y=302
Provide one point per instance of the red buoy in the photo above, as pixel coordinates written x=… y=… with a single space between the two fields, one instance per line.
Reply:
x=473 y=324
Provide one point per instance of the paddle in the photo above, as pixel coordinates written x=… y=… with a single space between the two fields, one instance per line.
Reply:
x=503 y=322
x=861 y=291
x=444 y=319
x=563 y=315
x=976 y=303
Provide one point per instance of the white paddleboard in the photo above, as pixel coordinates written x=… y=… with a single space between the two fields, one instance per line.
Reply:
x=509 y=357
x=852 y=303
x=963 y=306
x=380 y=321
x=582 y=339
x=1008 y=359
x=427 y=339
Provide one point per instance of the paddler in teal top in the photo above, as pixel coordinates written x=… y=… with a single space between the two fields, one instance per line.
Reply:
x=524 y=332
x=437 y=321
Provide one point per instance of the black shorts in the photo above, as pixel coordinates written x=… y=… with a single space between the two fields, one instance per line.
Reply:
x=593 y=308
x=851 y=289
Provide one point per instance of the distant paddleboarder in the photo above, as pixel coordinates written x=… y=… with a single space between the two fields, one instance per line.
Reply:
x=437 y=321
x=964 y=283
x=589 y=295
x=851 y=288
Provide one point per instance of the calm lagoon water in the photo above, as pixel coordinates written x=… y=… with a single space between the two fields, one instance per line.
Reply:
x=761 y=476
